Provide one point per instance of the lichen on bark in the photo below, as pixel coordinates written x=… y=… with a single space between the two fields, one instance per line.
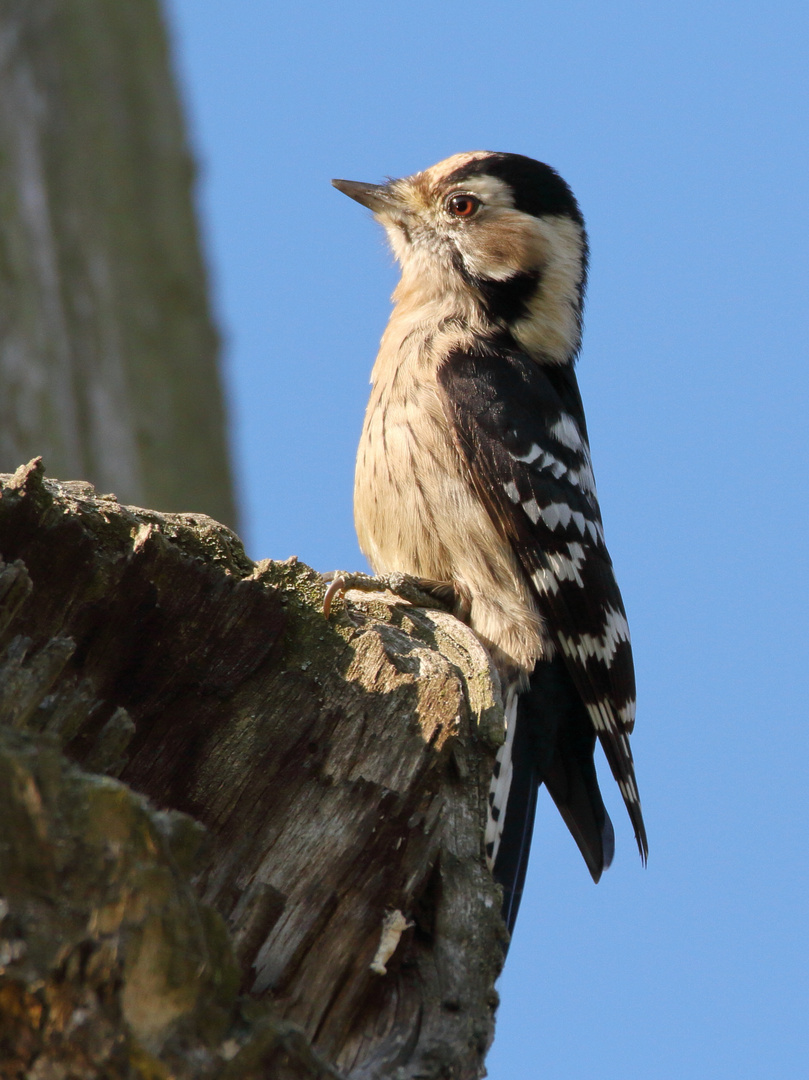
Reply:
x=287 y=782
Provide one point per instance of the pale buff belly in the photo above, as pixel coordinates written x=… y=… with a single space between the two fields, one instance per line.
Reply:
x=415 y=512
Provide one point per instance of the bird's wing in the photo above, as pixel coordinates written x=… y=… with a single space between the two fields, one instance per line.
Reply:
x=520 y=427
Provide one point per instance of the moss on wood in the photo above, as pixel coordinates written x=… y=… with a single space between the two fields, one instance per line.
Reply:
x=334 y=772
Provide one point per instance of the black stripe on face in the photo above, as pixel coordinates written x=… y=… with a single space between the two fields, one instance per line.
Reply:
x=503 y=301
x=507 y=301
x=537 y=188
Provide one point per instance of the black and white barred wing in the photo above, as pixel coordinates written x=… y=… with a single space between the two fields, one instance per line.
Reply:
x=521 y=428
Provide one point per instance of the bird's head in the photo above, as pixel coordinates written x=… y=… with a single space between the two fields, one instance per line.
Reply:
x=500 y=233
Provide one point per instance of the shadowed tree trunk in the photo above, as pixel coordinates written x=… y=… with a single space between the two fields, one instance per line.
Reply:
x=107 y=351
x=339 y=768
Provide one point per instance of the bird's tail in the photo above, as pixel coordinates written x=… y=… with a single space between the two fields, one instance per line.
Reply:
x=549 y=738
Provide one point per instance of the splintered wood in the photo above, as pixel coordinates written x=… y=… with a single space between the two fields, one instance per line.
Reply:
x=340 y=766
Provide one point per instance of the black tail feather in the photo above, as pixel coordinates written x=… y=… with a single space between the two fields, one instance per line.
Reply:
x=515 y=843
x=554 y=743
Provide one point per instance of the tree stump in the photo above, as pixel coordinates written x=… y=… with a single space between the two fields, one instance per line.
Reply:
x=287 y=879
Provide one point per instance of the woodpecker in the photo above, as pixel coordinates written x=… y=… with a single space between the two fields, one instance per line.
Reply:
x=474 y=476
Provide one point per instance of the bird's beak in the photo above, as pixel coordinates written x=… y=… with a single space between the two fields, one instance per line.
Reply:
x=376 y=197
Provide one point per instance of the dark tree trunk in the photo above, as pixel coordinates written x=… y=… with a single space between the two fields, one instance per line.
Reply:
x=108 y=357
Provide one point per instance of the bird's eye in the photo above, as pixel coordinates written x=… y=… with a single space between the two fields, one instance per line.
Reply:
x=463 y=206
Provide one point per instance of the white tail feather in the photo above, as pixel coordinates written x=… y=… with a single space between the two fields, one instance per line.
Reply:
x=501 y=780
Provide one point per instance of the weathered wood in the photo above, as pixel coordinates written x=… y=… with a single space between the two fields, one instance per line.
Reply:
x=340 y=767
x=109 y=964
x=108 y=355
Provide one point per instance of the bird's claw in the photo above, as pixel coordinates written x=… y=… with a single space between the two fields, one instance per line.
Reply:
x=337 y=585
x=411 y=589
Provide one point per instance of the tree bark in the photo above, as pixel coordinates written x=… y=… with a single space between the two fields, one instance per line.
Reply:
x=108 y=356
x=339 y=768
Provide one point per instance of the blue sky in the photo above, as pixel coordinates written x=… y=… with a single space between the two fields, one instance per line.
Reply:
x=682 y=128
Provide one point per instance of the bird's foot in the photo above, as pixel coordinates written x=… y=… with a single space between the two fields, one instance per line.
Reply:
x=414 y=590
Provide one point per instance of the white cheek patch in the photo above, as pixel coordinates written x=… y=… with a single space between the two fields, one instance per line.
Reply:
x=484 y=265
x=496 y=243
x=551 y=328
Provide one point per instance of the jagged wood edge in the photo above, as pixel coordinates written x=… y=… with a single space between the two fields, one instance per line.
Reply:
x=452 y=954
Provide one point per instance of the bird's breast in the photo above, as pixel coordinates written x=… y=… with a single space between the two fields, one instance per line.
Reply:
x=416 y=510
x=407 y=469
